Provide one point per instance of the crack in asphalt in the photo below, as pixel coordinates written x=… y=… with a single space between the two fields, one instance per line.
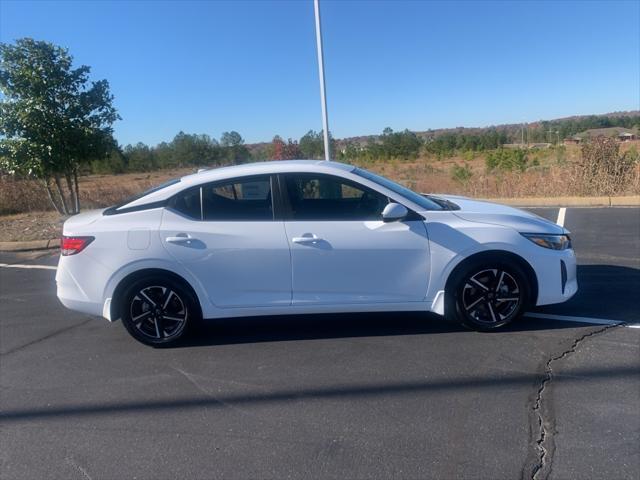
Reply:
x=79 y=468
x=544 y=447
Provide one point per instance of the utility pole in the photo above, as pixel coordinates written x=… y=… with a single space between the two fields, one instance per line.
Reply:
x=323 y=96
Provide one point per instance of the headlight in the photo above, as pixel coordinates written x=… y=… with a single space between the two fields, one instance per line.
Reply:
x=554 y=242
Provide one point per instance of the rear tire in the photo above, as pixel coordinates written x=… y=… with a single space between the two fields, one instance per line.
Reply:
x=158 y=311
x=488 y=294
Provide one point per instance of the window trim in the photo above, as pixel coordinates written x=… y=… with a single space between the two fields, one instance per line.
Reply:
x=272 y=186
x=287 y=212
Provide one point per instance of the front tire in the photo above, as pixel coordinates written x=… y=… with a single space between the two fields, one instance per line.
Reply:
x=157 y=311
x=488 y=295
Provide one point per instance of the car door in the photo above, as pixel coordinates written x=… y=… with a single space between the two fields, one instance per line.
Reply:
x=341 y=250
x=226 y=235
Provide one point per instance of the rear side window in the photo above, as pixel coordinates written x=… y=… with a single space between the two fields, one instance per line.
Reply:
x=325 y=197
x=242 y=199
x=188 y=203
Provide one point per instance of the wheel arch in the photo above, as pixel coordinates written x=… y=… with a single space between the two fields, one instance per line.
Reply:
x=116 y=297
x=489 y=255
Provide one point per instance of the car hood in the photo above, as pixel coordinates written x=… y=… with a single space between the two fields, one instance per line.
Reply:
x=496 y=214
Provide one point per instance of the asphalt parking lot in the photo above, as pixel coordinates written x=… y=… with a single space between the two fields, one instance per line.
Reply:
x=333 y=396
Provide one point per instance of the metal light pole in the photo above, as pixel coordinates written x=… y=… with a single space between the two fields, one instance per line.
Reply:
x=323 y=96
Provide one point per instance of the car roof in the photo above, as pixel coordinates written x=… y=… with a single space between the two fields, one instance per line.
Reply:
x=244 y=170
x=258 y=168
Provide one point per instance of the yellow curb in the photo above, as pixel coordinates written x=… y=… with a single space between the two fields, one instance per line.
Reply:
x=633 y=200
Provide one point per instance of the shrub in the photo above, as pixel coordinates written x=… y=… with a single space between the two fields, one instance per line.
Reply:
x=602 y=170
x=461 y=174
x=506 y=160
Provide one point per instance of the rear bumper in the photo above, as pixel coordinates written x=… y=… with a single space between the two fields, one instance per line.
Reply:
x=72 y=295
x=90 y=308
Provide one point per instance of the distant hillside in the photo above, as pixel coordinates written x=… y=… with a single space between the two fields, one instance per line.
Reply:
x=539 y=130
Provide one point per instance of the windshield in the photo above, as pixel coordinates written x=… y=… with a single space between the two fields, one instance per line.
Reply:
x=416 y=198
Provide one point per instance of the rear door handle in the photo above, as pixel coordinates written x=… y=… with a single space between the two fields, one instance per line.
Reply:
x=306 y=238
x=179 y=238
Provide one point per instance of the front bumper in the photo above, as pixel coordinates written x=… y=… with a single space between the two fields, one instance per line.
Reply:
x=556 y=284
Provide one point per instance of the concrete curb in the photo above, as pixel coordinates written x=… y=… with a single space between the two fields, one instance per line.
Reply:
x=30 y=245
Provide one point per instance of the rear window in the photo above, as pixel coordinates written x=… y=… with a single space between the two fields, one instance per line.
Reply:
x=114 y=209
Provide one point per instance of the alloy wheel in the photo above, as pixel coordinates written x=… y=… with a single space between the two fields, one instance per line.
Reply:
x=491 y=296
x=158 y=312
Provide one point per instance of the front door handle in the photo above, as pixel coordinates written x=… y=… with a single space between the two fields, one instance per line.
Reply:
x=179 y=238
x=306 y=238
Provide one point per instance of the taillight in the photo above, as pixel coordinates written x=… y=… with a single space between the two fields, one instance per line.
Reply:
x=73 y=245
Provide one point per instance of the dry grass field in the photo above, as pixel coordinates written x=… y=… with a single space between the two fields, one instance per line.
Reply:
x=27 y=215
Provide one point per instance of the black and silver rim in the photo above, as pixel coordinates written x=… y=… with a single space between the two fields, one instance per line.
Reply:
x=158 y=312
x=491 y=296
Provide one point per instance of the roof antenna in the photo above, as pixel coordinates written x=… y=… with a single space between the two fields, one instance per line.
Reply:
x=323 y=96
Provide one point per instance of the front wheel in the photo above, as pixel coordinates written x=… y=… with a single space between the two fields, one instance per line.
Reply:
x=157 y=311
x=489 y=295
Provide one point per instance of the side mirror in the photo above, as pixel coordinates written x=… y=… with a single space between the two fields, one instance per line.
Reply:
x=394 y=212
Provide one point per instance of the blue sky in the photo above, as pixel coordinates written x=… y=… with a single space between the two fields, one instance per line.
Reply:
x=211 y=66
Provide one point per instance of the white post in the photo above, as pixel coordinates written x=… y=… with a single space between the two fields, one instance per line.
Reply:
x=323 y=96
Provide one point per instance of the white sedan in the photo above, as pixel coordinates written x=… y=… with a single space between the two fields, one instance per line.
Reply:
x=292 y=237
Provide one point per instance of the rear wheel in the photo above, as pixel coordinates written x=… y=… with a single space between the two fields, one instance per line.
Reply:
x=488 y=295
x=157 y=311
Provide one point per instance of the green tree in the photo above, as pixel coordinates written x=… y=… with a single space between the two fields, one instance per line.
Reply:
x=114 y=163
x=312 y=145
x=508 y=160
x=404 y=144
x=52 y=119
x=234 y=149
x=461 y=174
x=140 y=158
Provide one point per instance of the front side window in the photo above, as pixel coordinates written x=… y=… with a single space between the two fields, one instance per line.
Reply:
x=325 y=197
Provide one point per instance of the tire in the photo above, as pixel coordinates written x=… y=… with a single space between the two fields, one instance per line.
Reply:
x=488 y=294
x=158 y=311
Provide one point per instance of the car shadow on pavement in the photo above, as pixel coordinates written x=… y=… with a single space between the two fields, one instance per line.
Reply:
x=605 y=291
x=326 y=326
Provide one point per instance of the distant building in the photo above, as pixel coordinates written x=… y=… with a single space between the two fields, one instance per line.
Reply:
x=626 y=136
x=575 y=140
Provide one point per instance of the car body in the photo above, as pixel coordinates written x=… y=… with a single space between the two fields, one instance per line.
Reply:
x=306 y=236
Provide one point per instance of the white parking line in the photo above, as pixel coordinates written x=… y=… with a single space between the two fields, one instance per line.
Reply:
x=561 y=214
x=19 y=265
x=568 y=318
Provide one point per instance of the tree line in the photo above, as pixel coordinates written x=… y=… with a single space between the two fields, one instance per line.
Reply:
x=185 y=150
